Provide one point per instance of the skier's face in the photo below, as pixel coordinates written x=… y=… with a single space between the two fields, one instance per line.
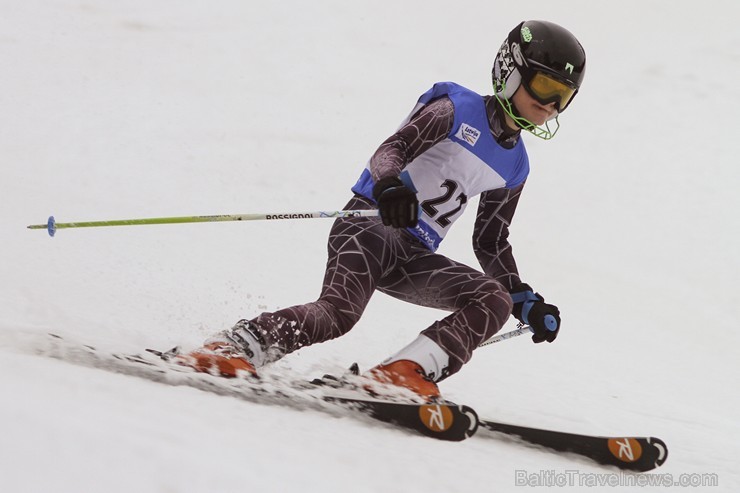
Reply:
x=529 y=108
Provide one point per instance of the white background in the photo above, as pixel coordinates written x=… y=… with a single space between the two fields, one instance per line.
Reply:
x=114 y=110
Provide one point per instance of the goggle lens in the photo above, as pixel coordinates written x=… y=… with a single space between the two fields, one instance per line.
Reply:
x=547 y=89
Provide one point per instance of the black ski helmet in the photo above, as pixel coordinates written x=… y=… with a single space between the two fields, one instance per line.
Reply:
x=538 y=46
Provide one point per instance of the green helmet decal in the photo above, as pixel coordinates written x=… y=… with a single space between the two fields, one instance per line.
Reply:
x=526 y=34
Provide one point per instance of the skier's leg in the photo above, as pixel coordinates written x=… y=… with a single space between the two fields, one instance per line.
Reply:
x=361 y=250
x=480 y=307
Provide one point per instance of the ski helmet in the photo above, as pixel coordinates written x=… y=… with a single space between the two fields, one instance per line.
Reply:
x=546 y=59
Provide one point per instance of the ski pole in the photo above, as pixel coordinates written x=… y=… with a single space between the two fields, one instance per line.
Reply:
x=521 y=329
x=52 y=226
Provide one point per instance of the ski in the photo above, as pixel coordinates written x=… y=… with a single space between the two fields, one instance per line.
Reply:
x=336 y=396
x=630 y=453
x=443 y=421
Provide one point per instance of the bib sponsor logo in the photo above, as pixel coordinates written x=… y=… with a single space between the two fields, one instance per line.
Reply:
x=436 y=418
x=468 y=134
x=625 y=449
x=424 y=236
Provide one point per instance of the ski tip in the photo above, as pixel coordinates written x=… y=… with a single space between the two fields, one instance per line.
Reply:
x=165 y=355
x=661 y=448
x=448 y=421
x=637 y=454
x=473 y=420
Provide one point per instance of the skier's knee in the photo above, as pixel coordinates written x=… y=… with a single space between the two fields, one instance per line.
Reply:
x=498 y=305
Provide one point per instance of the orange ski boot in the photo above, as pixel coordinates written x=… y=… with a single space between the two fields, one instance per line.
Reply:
x=406 y=374
x=219 y=358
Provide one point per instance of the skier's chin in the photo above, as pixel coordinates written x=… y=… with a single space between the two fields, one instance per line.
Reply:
x=539 y=114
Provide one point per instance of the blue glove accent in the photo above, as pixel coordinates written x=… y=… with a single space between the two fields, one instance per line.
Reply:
x=527 y=298
x=523 y=296
x=550 y=322
x=525 y=311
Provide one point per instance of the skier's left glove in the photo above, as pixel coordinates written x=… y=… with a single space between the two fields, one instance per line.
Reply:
x=397 y=203
x=530 y=308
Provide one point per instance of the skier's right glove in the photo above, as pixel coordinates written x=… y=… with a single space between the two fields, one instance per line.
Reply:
x=397 y=203
x=530 y=308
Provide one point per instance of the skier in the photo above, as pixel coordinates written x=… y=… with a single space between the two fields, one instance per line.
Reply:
x=454 y=145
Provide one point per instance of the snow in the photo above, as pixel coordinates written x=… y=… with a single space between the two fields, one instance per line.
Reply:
x=139 y=109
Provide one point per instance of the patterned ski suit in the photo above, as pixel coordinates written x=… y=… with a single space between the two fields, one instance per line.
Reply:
x=365 y=255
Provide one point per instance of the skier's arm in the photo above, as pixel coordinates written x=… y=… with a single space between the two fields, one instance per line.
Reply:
x=431 y=125
x=397 y=203
x=491 y=235
x=491 y=245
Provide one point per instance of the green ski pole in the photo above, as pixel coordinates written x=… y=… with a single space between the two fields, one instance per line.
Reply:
x=52 y=226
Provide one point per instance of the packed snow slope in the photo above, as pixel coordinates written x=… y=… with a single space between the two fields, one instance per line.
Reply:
x=116 y=110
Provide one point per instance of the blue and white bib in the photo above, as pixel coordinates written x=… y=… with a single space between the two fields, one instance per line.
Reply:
x=466 y=163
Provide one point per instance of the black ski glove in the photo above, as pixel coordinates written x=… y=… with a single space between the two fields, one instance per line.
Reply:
x=397 y=203
x=530 y=308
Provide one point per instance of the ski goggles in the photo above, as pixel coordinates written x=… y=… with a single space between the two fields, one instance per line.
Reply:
x=547 y=89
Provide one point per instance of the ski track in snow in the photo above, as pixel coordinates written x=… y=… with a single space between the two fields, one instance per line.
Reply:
x=143 y=109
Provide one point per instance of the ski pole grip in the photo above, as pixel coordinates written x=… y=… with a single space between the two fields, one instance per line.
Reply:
x=551 y=323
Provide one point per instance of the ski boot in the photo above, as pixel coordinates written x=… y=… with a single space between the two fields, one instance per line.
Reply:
x=406 y=374
x=232 y=353
x=218 y=358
